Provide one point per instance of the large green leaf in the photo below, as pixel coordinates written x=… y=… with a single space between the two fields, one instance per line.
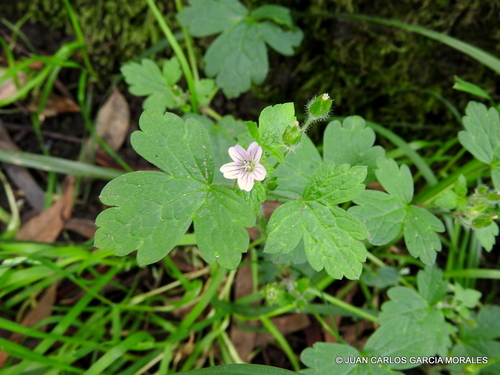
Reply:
x=153 y=210
x=386 y=215
x=331 y=236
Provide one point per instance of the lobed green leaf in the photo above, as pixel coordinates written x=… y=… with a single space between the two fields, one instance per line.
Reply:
x=397 y=181
x=330 y=185
x=146 y=79
x=481 y=136
x=220 y=227
x=351 y=142
x=431 y=285
x=180 y=149
x=420 y=234
x=382 y=214
x=208 y=17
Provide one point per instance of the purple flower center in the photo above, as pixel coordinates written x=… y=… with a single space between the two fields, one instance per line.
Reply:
x=247 y=165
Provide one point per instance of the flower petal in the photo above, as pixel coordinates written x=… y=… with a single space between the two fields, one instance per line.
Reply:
x=231 y=170
x=254 y=152
x=259 y=173
x=237 y=153
x=245 y=181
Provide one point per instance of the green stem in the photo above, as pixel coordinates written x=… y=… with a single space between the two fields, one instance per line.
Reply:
x=189 y=45
x=266 y=322
x=179 y=53
x=81 y=38
x=344 y=305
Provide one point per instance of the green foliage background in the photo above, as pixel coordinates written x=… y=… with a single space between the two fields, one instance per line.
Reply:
x=375 y=71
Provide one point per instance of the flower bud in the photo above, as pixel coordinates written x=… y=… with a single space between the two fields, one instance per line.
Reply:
x=292 y=135
x=319 y=107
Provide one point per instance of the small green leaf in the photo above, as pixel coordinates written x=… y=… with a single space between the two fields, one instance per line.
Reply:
x=352 y=143
x=332 y=185
x=204 y=89
x=146 y=79
x=281 y=41
x=396 y=181
x=431 y=285
x=382 y=214
x=487 y=236
x=220 y=227
x=481 y=136
x=470 y=88
x=253 y=130
x=208 y=17
x=295 y=172
x=420 y=234
x=461 y=186
x=273 y=122
x=381 y=277
x=468 y=297
x=275 y=13
x=447 y=199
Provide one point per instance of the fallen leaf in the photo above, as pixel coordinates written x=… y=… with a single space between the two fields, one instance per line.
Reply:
x=113 y=120
x=46 y=226
x=8 y=88
x=20 y=176
x=286 y=324
x=243 y=340
x=42 y=310
x=55 y=105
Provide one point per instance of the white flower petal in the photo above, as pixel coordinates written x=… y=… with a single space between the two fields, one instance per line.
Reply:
x=259 y=173
x=245 y=182
x=231 y=170
x=254 y=152
x=237 y=153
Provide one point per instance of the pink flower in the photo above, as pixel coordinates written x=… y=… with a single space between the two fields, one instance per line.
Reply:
x=245 y=166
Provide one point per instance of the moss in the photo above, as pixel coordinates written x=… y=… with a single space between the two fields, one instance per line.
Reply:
x=115 y=31
x=383 y=73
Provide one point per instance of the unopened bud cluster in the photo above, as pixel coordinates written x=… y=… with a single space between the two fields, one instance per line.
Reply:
x=317 y=109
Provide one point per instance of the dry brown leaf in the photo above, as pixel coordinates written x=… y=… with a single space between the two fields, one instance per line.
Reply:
x=113 y=120
x=8 y=88
x=20 y=175
x=55 y=105
x=40 y=312
x=286 y=324
x=46 y=226
x=243 y=340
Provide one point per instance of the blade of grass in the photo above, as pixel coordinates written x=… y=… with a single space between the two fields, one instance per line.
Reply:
x=19 y=351
x=116 y=352
x=51 y=163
